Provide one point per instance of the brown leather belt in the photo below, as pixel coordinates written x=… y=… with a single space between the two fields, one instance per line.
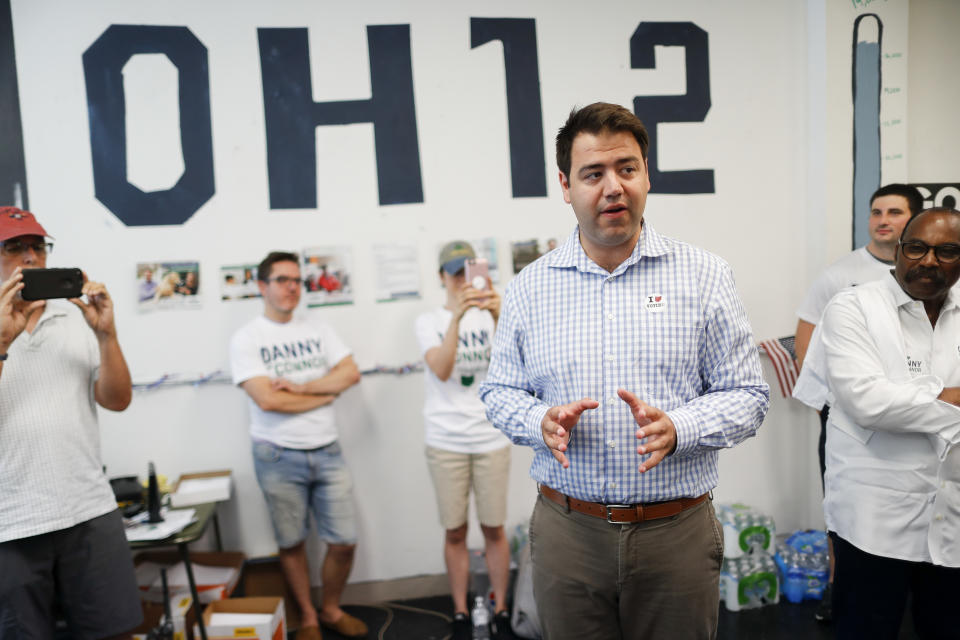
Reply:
x=622 y=513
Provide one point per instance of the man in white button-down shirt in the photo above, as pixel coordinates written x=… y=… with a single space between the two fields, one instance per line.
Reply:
x=887 y=355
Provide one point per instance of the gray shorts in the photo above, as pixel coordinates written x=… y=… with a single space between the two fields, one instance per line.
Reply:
x=86 y=568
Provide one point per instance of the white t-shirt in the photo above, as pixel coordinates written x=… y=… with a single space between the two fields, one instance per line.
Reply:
x=456 y=419
x=300 y=350
x=855 y=268
x=51 y=475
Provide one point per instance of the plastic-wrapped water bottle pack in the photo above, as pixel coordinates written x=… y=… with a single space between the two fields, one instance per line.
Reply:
x=804 y=565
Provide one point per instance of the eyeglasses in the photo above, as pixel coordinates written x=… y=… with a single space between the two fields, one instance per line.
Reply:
x=16 y=247
x=285 y=280
x=917 y=249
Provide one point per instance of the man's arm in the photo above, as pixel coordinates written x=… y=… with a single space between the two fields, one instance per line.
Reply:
x=951 y=395
x=512 y=405
x=269 y=398
x=113 y=389
x=862 y=387
x=735 y=396
x=341 y=377
x=802 y=340
x=443 y=357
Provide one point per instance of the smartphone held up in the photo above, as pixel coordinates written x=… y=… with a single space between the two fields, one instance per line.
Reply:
x=477 y=273
x=44 y=284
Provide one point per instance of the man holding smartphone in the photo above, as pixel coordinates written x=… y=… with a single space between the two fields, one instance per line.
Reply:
x=61 y=535
x=465 y=451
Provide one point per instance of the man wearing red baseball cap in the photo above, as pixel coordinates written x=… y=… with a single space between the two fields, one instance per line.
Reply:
x=61 y=535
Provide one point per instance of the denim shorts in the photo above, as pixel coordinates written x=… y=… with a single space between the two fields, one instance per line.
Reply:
x=296 y=481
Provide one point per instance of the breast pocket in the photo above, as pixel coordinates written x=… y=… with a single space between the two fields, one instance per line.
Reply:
x=668 y=362
x=561 y=363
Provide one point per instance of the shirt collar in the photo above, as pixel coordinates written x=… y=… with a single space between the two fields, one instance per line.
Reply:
x=571 y=254
x=52 y=309
x=902 y=298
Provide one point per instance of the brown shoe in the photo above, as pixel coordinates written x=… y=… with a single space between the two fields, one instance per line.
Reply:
x=309 y=633
x=347 y=625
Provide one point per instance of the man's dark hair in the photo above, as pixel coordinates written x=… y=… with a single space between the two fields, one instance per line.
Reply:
x=948 y=210
x=266 y=266
x=594 y=118
x=910 y=194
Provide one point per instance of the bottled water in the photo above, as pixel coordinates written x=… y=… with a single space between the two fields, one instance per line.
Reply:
x=480 y=617
x=804 y=565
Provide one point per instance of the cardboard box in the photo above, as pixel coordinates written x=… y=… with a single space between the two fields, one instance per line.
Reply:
x=148 y=574
x=202 y=487
x=273 y=627
x=181 y=611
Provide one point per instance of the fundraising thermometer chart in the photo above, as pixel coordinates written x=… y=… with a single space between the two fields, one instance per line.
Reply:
x=879 y=92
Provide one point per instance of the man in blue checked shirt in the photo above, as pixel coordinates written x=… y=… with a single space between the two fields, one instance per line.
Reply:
x=625 y=359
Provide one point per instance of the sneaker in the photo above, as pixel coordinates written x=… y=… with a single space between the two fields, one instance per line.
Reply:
x=824 y=612
x=462 y=629
x=501 y=629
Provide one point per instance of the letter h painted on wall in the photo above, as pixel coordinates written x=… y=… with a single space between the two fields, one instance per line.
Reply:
x=292 y=116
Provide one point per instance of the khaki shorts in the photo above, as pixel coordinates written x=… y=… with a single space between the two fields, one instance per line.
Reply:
x=454 y=473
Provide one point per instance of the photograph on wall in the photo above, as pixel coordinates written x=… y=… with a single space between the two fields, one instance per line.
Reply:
x=398 y=273
x=549 y=244
x=168 y=285
x=239 y=282
x=524 y=252
x=327 y=274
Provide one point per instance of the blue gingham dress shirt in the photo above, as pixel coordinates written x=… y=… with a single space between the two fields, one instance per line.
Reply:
x=668 y=325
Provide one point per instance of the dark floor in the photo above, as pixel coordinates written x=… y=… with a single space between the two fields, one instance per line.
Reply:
x=428 y=619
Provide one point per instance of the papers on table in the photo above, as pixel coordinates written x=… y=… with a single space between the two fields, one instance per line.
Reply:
x=174 y=521
x=199 y=490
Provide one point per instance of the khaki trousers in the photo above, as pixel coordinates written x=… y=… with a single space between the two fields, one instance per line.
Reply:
x=655 y=579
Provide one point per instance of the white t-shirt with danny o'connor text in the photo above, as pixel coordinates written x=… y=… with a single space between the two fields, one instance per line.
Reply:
x=300 y=350
x=856 y=268
x=456 y=419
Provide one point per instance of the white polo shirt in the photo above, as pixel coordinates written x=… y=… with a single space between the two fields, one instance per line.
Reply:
x=51 y=474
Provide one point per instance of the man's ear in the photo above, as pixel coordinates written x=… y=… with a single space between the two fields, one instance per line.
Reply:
x=565 y=186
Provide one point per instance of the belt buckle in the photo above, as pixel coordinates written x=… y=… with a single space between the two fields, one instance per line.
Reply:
x=617 y=506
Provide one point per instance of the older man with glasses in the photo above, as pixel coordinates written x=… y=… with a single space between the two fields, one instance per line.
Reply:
x=887 y=353
x=62 y=542
x=293 y=368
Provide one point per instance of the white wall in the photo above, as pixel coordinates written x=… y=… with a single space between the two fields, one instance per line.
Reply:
x=934 y=92
x=759 y=137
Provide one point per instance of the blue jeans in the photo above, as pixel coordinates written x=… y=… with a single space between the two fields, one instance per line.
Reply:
x=296 y=481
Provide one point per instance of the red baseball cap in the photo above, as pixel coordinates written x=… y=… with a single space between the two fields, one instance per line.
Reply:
x=16 y=222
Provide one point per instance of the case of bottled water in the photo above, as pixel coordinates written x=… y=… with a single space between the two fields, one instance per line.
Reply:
x=745 y=530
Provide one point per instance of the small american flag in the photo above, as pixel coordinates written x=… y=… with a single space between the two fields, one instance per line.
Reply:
x=782 y=356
